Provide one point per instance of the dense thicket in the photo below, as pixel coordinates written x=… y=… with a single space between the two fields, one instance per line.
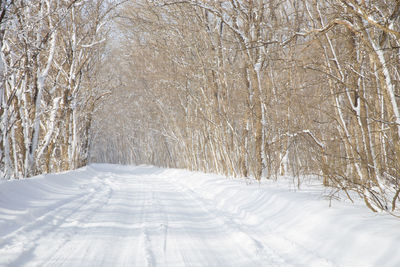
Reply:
x=50 y=51
x=260 y=88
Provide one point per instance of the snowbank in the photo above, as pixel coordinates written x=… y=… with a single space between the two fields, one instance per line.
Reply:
x=344 y=233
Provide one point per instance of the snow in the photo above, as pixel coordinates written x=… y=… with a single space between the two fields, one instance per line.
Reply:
x=112 y=215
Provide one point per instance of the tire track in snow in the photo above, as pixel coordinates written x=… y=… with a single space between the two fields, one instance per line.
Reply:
x=149 y=256
x=264 y=244
x=79 y=217
x=148 y=220
x=192 y=246
x=155 y=226
x=83 y=246
x=23 y=241
x=262 y=251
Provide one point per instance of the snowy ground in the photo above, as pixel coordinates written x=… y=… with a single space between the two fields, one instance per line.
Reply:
x=110 y=215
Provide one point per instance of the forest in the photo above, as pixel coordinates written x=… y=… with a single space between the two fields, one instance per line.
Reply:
x=262 y=89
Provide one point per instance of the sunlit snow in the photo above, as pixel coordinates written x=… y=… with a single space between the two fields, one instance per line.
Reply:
x=111 y=215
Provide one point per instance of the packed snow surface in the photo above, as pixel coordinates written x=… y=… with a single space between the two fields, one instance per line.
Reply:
x=111 y=215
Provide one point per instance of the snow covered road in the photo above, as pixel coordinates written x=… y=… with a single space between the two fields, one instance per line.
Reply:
x=107 y=215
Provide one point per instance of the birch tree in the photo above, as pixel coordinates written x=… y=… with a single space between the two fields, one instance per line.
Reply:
x=49 y=52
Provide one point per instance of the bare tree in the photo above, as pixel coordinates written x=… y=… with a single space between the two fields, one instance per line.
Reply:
x=49 y=52
x=260 y=88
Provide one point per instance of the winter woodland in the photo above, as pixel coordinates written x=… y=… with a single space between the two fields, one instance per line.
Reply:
x=241 y=88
